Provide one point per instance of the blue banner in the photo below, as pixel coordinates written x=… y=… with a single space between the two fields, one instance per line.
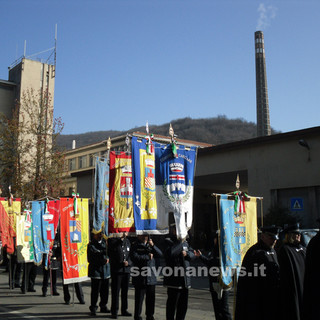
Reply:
x=144 y=188
x=229 y=246
x=174 y=186
x=101 y=196
x=41 y=230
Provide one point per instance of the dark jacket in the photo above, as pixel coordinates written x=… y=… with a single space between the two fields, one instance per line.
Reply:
x=97 y=258
x=144 y=265
x=311 y=307
x=119 y=252
x=175 y=259
x=258 y=293
x=292 y=267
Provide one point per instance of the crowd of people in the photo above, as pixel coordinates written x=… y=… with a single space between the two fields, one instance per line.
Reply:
x=286 y=285
x=272 y=284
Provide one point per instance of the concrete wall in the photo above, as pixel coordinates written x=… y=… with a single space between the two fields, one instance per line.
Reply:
x=275 y=164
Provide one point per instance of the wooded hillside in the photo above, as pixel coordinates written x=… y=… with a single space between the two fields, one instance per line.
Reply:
x=216 y=130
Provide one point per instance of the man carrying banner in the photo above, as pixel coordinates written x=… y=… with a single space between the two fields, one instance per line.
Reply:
x=99 y=272
x=120 y=262
x=143 y=255
x=178 y=256
x=258 y=290
x=219 y=295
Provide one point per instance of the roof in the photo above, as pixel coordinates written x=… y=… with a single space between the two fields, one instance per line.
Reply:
x=159 y=138
x=7 y=83
x=259 y=140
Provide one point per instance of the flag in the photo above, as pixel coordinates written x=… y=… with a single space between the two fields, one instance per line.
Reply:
x=25 y=250
x=144 y=187
x=238 y=232
x=53 y=206
x=45 y=217
x=8 y=213
x=101 y=196
x=230 y=255
x=174 y=186
x=121 y=193
x=74 y=233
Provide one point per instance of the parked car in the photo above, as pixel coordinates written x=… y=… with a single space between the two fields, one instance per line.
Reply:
x=306 y=236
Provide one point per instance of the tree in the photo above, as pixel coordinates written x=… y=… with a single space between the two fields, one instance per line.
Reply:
x=30 y=159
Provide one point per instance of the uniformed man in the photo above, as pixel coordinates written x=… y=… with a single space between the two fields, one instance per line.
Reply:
x=259 y=280
x=120 y=262
x=291 y=258
x=99 y=272
x=178 y=255
x=143 y=254
x=311 y=308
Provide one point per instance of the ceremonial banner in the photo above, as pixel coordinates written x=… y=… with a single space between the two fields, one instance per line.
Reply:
x=74 y=231
x=144 y=187
x=9 y=209
x=25 y=250
x=174 y=186
x=101 y=196
x=121 y=193
x=45 y=217
x=53 y=206
x=238 y=232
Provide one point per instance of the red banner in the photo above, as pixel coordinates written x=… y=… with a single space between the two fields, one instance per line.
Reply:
x=121 y=194
x=8 y=212
x=74 y=233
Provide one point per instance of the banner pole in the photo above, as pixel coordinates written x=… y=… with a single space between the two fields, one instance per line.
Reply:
x=73 y=294
x=235 y=275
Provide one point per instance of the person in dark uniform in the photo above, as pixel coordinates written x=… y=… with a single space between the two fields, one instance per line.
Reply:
x=54 y=264
x=178 y=254
x=291 y=258
x=219 y=296
x=99 y=272
x=311 y=308
x=53 y=280
x=29 y=277
x=258 y=289
x=143 y=254
x=120 y=262
x=15 y=269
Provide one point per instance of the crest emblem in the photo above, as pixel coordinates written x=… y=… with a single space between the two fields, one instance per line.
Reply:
x=177 y=179
x=75 y=231
x=149 y=175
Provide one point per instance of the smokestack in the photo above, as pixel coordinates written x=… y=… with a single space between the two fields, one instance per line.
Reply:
x=263 y=118
x=73 y=144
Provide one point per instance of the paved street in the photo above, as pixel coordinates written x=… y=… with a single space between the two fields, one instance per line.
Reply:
x=14 y=305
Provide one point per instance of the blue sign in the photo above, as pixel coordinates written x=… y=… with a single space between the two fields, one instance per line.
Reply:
x=297 y=204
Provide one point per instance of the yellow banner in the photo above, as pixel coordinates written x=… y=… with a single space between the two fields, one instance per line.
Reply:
x=250 y=224
x=83 y=205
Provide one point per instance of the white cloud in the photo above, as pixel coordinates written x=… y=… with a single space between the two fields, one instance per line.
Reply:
x=266 y=15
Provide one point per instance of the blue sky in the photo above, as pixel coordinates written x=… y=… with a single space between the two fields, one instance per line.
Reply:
x=122 y=63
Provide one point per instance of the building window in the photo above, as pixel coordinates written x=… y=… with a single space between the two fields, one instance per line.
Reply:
x=72 y=164
x=83 y=162
x=92 y=159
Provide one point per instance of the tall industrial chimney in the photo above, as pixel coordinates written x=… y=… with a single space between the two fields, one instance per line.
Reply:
x=263 y=118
